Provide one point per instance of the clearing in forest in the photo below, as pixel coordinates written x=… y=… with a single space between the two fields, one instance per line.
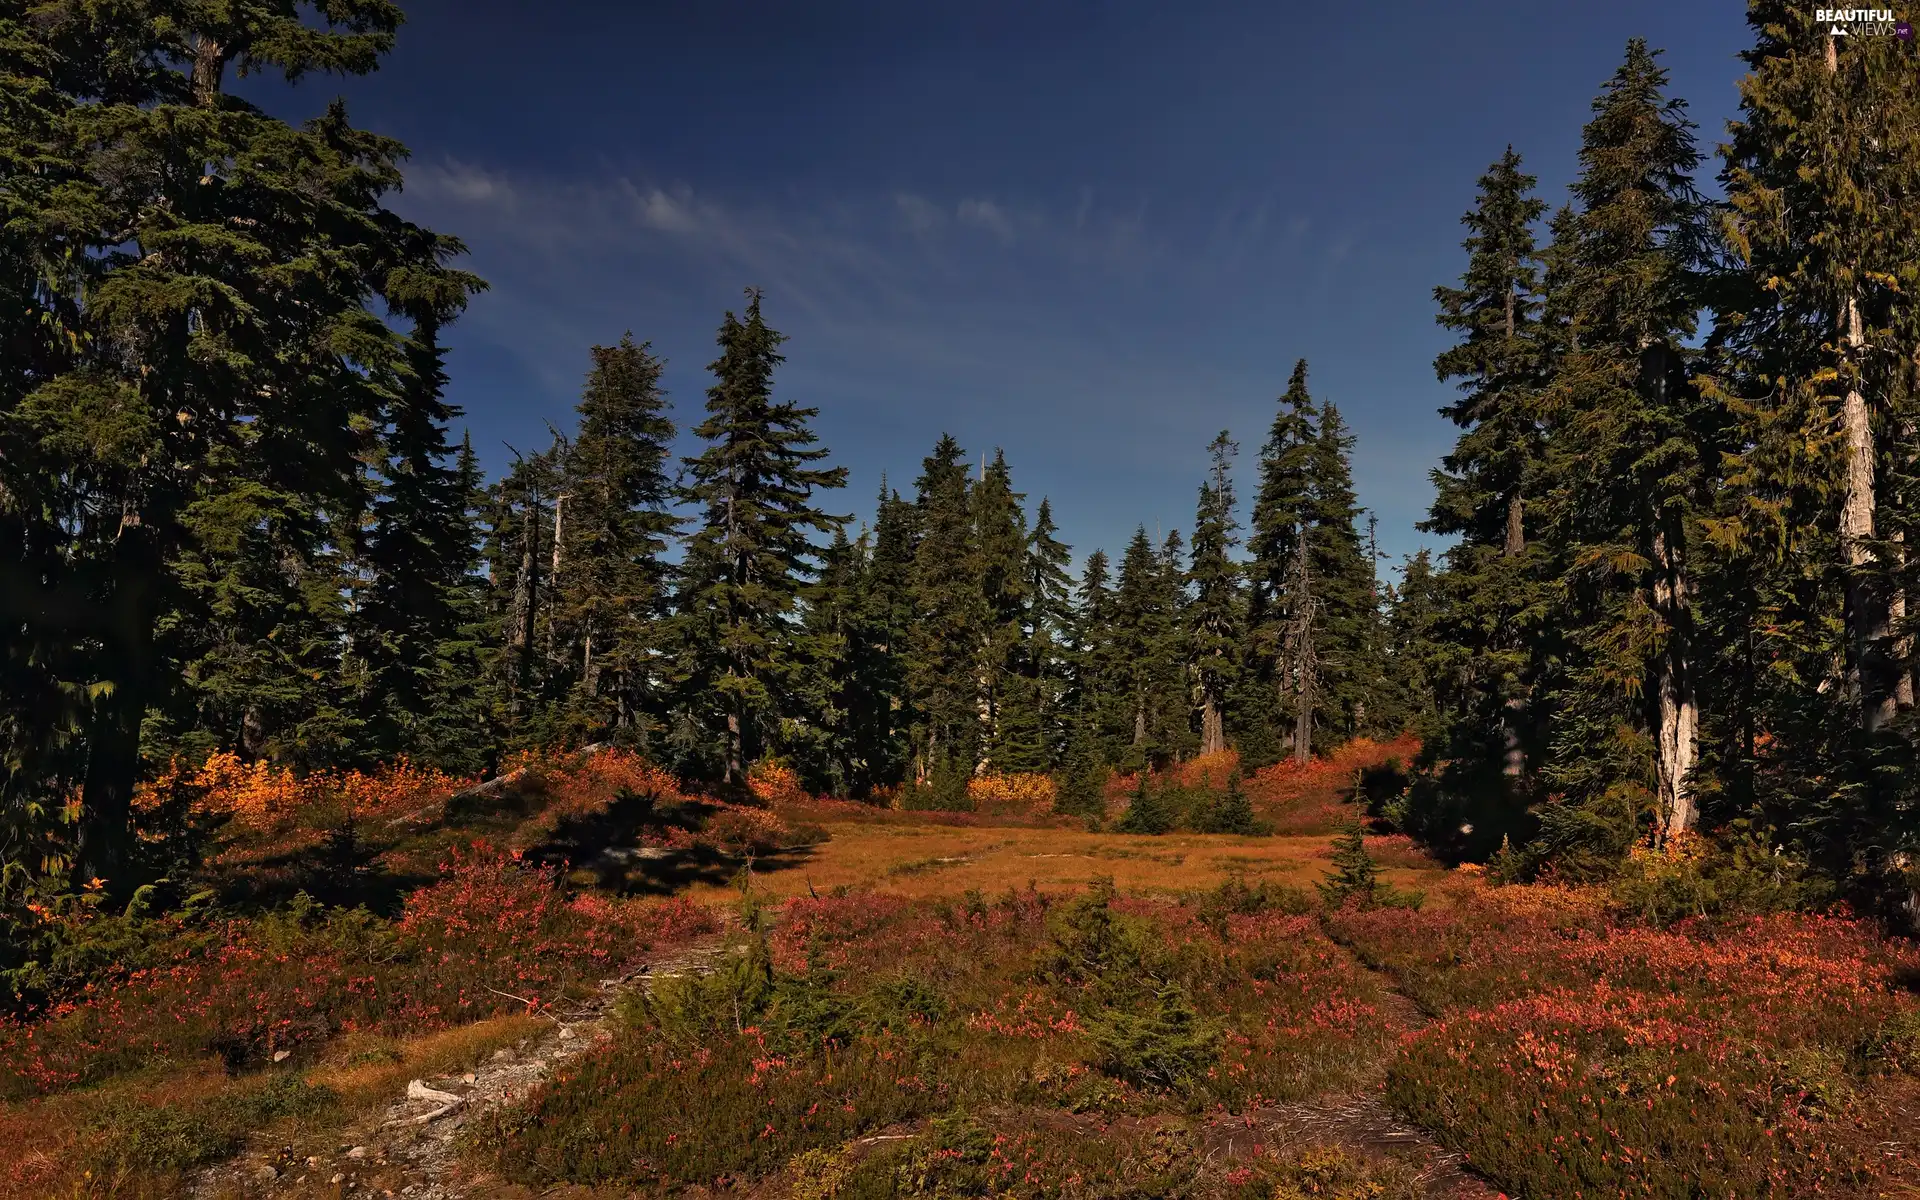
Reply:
x=588 y=979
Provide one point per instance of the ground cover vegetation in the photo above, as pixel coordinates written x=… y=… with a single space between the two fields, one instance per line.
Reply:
x=327 y=762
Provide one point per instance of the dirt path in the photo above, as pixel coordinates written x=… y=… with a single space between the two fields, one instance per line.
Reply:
x=1363 y=1123
x=409 y=1148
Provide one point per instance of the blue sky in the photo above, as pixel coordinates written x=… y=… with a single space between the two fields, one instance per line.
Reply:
x=1093 y=234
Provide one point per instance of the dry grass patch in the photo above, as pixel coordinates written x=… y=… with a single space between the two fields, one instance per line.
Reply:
x=936 y=860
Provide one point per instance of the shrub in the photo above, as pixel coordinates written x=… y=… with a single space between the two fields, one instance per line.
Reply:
x=141 y=1136
x=1019 y=793
x=490 y=936
x=1230 y=811
x=1163 y=1044
x=1151 y=810
x=773 y=782
x=1698 y=878
x=745 y=830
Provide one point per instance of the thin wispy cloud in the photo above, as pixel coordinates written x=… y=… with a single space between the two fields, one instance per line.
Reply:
x=985 y=214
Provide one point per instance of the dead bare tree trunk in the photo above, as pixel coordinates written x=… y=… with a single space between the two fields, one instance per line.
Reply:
x=1303 y=664
x=526 y=600
x=1213 y=726
x=1867 y=612
x=1677 y=740
x=1515 y=707
x=1867 y=615
x=209 y=65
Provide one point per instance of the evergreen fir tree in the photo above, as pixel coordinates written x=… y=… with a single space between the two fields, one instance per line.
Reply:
x=1264 y=708
x=1482 y=489
x=1231 y=811
x=1145 y=652
x=1354 y=870
x=1000 y=567
x=192 y=426
x=950 y=619
x=1414 y=653
x=419 y=545
x=1634 y=451
x=882 y=712
x=1098 y=702
x=1808 y=723
x=1347 y=614
x=753 y=552
x=820 y=732
x=1174 y=736
x=612 y=597
x=1050 y=628
x=1150 y=811
x=1213 y=619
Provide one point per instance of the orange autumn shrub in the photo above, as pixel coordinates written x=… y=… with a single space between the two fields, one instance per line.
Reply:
x=566 y=786
x=1287 y=779
x=255 y=793
x=1207 y=771
x=1014 y=793
x=739 y=828
x=259 y=795
x=775 y=783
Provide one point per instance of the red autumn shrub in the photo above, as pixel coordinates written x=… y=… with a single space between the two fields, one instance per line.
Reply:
x=745 y=830
x=490 y=936
x=1577 y=1055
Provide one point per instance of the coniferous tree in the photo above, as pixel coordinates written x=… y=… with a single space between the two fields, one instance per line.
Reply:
x=1814 y=324
x=753 y=552
x=1265 y=707
x=1101 y=712
x=821 y=732
x=1483 y=485
x=949 y=618
x=519 y=555
x=457 y=734
x=191 y=424
x=1213 y=618
x=612 y=599
x=1000 y=567
x=1633 y=451
x=1414 y=650
x=1145 y=652
x=1347 y=614
x=883 y=715
x=1050 y=626
x=1174 y=734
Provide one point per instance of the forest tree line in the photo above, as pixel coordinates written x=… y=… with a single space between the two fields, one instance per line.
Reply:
x=1676 y=600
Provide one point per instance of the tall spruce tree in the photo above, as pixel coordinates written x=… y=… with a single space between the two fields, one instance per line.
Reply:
x=950 y=620
x=1214 y=616
x=420 y=545
x=1483 y=489
x=1633 y=451
x=1144 y=655
x=1101 y=713
x=1815 y=324
x=1000 y=547
x=201 y=410
x=1049 y=633
x=1347 y=612
x=1265 y=706
x=883 y=714
x=753 y=551
x=612 y=599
